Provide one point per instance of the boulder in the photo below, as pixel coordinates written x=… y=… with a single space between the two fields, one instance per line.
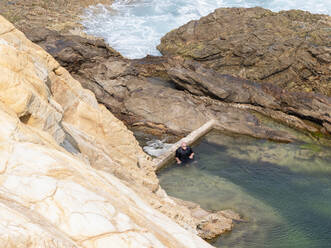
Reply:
x=290 y=49
x=71 y=51
x=210 y=223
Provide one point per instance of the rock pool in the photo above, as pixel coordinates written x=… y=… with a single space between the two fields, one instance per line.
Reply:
x=283 y=191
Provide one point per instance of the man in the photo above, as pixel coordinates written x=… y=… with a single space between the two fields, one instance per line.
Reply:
x=184 y=154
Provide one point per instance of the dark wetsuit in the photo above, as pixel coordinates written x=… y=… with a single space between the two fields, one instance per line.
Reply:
x=184 y=155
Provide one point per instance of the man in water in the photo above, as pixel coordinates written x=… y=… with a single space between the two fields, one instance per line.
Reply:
x=184 y=154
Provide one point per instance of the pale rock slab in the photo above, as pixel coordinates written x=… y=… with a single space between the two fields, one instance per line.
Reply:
x=50 y=197
x=105 y=140
x=88 y=208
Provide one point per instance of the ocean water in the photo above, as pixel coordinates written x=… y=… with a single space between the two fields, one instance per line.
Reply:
x=283 y=191
x=134 y=27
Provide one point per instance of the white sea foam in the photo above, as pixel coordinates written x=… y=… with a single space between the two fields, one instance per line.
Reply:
x=134 y=27
x=156 y=147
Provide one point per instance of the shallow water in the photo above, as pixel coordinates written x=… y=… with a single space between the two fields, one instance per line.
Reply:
x=283 y=191
x=134 y=27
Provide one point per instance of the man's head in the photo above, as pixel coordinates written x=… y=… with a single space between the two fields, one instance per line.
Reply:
x=184 y=145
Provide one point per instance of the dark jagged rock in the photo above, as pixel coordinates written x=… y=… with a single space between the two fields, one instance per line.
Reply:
x=71 y=51
x=198 y=80
x=121 y=85
x=128 y=88
x=290 y=49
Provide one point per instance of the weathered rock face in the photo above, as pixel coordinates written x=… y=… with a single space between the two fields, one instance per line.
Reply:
x=122 y=86
x=290 y=49
x=71 y=51
x=146 y=100
x=54 y=198
x=201 y=81
x=26 y=93
x=51 y=199
x=48 y=95
x=127 y=89
x=60 y=15
x=63 y=199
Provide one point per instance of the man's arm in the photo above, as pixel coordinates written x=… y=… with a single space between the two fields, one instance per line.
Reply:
x=177 y=157
x=178 y=161
x=192 y=154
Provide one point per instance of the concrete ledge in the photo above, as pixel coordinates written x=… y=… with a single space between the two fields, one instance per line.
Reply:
x=165 y=158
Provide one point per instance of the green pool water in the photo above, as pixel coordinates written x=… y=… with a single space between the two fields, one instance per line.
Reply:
x=283 y=191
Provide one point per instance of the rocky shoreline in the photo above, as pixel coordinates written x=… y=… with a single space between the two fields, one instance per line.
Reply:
x=73 y=175
x=141 y=179
x=128 y=88
x=290 y=49
x=139 y=92
x=60 y=15
x=224 y=78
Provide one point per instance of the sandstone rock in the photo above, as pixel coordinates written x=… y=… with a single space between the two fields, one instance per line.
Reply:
x=88 y=123
x=28 y=229
x=48 y=192
x=210 y=224
x=130 y=90
x=59 y=195
x=102 y=70
x=290 y=49
x=27 y=93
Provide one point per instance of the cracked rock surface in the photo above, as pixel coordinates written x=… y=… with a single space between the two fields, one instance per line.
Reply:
x=71 y=174
x=290 y=48
x=149 y=92
x=139 y=91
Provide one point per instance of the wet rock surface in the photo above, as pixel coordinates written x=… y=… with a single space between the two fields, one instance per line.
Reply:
x=150 y=92
x=71 y=51
x=210 y=224
x=198 y=80
x=290 y=49
x=143 y=93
